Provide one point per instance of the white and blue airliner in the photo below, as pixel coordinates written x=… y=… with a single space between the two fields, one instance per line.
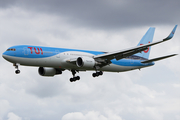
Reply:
x=53 y=61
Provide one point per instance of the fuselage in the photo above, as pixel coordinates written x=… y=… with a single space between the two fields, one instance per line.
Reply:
x=58 y=58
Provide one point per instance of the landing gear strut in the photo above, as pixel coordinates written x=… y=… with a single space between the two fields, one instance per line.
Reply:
x=16 y=67
x=74 y=77
x=96 y=74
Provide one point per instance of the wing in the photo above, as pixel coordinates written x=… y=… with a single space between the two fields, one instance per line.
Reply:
x=107 y=57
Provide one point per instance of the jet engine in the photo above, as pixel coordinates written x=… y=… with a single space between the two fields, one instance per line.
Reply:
x=85 y=62
x=44 y=71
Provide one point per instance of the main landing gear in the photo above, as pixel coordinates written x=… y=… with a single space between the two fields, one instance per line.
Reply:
x=16 y=67
x=74 y=77
x=97 y=74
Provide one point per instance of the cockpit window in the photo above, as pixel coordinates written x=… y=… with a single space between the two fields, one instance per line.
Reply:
x=12 y=49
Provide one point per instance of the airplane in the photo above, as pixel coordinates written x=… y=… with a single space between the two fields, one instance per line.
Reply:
x=53 y=61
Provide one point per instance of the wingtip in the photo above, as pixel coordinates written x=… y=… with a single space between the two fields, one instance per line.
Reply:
x=173 y=55
x=171 y=34
x=175 y=28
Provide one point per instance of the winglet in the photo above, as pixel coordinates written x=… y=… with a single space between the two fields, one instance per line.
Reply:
x=171 y=34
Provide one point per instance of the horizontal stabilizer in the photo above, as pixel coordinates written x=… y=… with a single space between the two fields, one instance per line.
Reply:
x=157 y=59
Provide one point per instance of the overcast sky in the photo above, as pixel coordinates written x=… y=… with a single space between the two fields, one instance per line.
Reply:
x=105 y=25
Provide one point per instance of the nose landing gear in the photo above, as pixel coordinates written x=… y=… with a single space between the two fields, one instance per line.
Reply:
x=16 y=67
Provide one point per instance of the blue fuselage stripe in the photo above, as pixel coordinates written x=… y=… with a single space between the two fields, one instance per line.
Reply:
x=27 y=51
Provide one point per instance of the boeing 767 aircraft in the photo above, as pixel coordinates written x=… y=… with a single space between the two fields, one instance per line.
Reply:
x=53 y=61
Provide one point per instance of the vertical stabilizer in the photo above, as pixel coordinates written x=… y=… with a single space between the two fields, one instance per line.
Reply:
x=147 y=38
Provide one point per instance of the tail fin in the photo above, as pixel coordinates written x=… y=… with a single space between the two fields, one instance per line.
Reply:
x=147 y=38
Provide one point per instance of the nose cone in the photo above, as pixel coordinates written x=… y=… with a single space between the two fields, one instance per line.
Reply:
x=4 y=55
x=7 y=57
x=10 y=54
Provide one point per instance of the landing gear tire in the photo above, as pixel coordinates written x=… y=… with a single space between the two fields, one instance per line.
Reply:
x=74 y=79
x=97 y=74
x=17 y=71
x=100 y=73
x=77 y=78
x=71 y=79
x=94 y=74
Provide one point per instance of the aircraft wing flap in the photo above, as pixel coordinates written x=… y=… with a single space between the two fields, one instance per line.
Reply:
x=128 y=52
x=157 y=59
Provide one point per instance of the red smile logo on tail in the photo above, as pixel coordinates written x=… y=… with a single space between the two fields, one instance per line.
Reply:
x=146 y=51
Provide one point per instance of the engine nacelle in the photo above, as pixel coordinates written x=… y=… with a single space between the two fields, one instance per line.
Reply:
x=85 y=62
x=44 y=71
